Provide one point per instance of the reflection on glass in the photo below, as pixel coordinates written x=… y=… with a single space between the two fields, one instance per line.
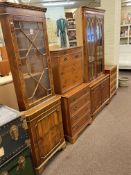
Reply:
x=99 y=34
x=91 y=46
x=33 y=57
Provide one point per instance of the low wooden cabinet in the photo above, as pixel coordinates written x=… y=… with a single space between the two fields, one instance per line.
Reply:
x=67 y=68
x=76 y=111
x=46 y=131
x=112 y=71
x=100 y=93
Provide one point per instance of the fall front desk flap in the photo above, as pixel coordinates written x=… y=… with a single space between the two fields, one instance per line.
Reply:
x=13 y=133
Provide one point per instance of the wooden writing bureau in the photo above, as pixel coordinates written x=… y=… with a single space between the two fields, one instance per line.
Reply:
x=67 y=68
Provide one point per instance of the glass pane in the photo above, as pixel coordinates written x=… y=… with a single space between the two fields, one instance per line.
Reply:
x=91 y=45
x=99 y=33
x=30 y=38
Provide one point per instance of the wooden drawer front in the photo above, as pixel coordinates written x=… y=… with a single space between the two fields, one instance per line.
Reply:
x=65 y=59
x=113 y=76
x=105 y=89
x=84 y=110
x=80 y=124
x=96 y=99
x=113 y=83
x=114 y=70
x=47 y=134
x=80 y=94
x=113 y=89
x=74 y=107
x=77 y=56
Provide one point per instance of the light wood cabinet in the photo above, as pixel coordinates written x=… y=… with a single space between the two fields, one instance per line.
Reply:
x=67 y=68
x=76 y=110
x=100 y=93
x=112 y=71
x=46 y=131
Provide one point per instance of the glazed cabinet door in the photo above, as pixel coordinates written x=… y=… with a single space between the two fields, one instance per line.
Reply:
x=99 y=44
x=96 y=100
x=90 y=45
x=29 y=58
x=105 y=89
x=47 y=134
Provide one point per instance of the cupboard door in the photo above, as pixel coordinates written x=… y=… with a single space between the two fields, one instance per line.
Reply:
x=33 y=59
x=47 y=134
x=99 y=44
x=96 y=100
x=90 y=49
x=105 y=89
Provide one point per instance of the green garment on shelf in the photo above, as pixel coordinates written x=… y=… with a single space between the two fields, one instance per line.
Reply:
x=62 y=25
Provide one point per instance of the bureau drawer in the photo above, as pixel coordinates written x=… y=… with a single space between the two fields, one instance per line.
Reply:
x=77 y=55
x=81 y=123
x=74 y=107
x=113 y=76
x=86 y=109
x=114 y=70
x=76 y=96
x=65 y=59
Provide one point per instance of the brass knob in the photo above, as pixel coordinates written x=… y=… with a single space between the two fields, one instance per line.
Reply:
x=21 y=163
x=14 y=132
x=24 y=125
x=4 y=173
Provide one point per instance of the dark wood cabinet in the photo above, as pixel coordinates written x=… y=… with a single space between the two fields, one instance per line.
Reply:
x=67 y=68
x=24 y=31
x=76 y=110
x=46 y=131
x=100 y=93
x=112 y=71
x=90 y=35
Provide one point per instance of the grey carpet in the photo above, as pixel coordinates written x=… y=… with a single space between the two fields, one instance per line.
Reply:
x=104 y=148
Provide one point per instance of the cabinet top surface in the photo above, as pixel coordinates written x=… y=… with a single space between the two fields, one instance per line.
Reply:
x=110 y=67
x=92 y=9
x=99 y=79
x=65 y=49
x=41 y=106
x=75 y=90
x=6 y=4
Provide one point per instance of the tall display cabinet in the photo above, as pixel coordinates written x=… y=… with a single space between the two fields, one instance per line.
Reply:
x=25 y=35
x=90 y=35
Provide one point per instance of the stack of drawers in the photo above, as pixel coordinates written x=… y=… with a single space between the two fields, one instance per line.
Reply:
x=112 y=71
x=76 y=111
x=68 y=82
x=67 y=68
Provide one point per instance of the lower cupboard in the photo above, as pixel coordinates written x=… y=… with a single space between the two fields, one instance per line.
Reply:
x=100 y=93
x=45 y=130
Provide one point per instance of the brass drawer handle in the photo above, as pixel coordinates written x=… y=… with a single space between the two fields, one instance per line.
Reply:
x=21 y=163
x=76 y=56
x=65 y=59
x=14 y=132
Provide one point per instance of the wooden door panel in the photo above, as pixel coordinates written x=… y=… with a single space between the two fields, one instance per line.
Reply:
x=49 y=134
x=105 y=89
x=96 y=100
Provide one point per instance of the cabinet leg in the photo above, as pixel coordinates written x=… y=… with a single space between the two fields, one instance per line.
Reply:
x=40 y=171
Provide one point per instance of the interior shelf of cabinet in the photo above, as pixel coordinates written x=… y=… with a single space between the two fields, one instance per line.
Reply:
x=27 y=75
x=71 y=29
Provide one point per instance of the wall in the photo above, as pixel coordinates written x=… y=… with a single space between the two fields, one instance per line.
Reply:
x=54 y=13
x=112 y=30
